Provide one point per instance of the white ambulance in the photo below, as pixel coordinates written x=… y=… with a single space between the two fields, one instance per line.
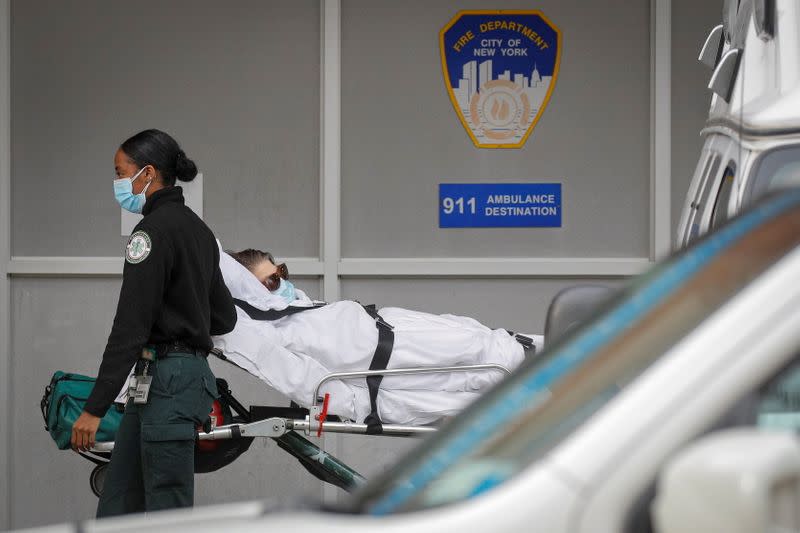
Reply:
x=751 y=141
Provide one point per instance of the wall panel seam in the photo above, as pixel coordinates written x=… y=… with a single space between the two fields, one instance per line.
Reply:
x=481 y=267
x=660 y=128
x=6 y=463
x=473 y=267
x=330 y=168
x=112 y=266
x=330 y=142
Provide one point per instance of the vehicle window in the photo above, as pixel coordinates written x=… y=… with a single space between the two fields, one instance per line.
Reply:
x=708 y=201
x=777 y=169
x=537 y=407
x=779 y=402
x=720 y=212
x=706 y=184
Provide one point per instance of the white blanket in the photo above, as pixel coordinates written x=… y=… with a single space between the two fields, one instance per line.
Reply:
x=292 y=354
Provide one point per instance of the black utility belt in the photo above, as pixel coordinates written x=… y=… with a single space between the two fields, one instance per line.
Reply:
x=161 y=351
x=139 y=385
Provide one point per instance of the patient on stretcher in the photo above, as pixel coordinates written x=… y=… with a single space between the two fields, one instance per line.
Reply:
x=291 y=343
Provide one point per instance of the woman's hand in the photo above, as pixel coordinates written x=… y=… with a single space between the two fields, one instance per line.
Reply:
x=84 y=430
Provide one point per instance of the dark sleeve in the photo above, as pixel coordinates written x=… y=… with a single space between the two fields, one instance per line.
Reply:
x=144 y=280
x=223 y=312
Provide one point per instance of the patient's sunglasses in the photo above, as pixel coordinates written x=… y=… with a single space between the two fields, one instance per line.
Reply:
x=274 y=281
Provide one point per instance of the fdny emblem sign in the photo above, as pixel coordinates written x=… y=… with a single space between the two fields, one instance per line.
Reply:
x=500 y=68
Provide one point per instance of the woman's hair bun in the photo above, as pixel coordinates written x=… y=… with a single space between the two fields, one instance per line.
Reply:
x=157 y=148
x=185 y=169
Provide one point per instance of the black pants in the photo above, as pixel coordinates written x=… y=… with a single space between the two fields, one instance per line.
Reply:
x=152 y=466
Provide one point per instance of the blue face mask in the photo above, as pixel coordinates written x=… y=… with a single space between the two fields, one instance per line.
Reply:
x=123 y=192
x=286 y=291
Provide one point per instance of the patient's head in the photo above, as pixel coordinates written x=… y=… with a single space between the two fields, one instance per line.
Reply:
x=262 y=266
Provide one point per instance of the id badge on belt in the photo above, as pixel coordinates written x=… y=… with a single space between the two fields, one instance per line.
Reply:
x=139 y=388
x=142 y=390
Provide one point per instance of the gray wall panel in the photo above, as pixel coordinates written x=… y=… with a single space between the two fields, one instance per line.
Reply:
x=56 y=325
x=64 y=325
x=691 y=22
x=371 y=456
x=401 y=136
x=516 y=304
x=237 y=84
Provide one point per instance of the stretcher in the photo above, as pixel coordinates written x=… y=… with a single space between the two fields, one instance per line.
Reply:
x=316 y=421
x=303 y=351
x=292 y=346
x=289 y=427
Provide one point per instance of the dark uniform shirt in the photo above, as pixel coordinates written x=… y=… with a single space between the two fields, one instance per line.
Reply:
x=172 y=291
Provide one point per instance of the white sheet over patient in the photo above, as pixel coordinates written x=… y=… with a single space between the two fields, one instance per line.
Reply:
x=294 y=353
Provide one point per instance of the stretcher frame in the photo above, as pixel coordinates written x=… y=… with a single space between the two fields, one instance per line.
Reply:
x=284 y=430
x=315 y=422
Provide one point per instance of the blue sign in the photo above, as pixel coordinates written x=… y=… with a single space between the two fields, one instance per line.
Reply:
x=500 y=69
x=500 y=205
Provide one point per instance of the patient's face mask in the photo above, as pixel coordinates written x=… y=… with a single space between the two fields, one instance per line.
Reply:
x=123 y=192
x=286 y=291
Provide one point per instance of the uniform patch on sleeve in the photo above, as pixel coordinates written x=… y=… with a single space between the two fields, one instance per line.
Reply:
x=138 y=247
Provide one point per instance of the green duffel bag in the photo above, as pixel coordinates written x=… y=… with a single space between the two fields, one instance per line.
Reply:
x=63 y=403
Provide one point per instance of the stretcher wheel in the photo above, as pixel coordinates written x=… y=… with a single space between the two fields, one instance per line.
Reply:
x=97 y=479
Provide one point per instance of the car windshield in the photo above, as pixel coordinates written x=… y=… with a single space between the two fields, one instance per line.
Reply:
x=547 y=398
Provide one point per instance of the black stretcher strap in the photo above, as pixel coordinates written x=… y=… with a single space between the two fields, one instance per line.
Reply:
x=272 y=314
x=525 y=341
x=380 y=360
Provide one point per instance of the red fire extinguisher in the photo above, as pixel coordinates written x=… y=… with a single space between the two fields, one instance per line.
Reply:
x=217 y=419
